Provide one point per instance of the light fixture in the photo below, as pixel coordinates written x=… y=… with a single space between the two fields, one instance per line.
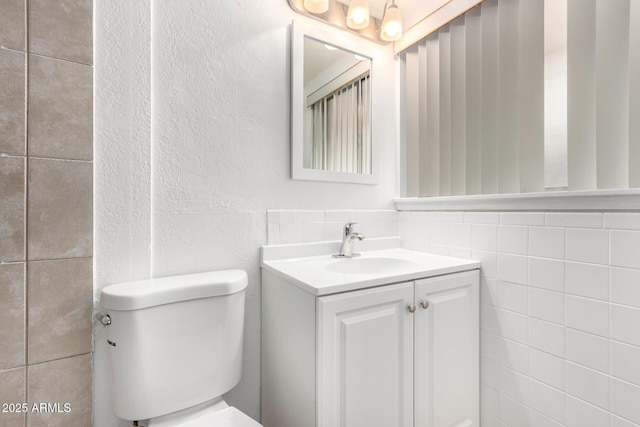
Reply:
x=358 y=15
x=316 y=6
x=391 y=29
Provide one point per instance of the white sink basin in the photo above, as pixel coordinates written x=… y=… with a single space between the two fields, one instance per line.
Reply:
x=311 y=267
x=370 y=265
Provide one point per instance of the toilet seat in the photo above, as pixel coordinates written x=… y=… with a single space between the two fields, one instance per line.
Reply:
x=215 y=413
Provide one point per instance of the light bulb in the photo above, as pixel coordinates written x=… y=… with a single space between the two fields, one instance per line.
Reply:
x=316 y=6
x=358 y=15
x=392 y=24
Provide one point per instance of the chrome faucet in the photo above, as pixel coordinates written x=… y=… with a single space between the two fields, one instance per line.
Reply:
x=348 y=237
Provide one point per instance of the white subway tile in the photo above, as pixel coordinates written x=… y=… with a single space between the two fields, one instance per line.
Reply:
x=512 y=268
x=625 y=362
x=489 y=400
x=588 y=385
x=488 y=262
x=377 y=229
x=625 y=286
x=490 y=345
x=513 y=239
x=464 y=253
x=587 y=315
x=547 y=400
x=514 y=355
x=489 y=373
x=484 y=237
x=513 y=297
x=449 y=217
x=460 y=235
x=482 y=217
x=310 y=216
x=273 y=217
x=332 y=231
x=546 y=305
x=625 y=323
x=375 y=216
x=290 y=232
x=489 y=291
x=522 y=218
x=273 y=234
x=338 y=216
x=625 y=400
x=546 y=274
x=588 y=350
x=489 y=319
x=622 y=220
x=547 y=368
x=513 y=326
x=313 y=232
x=588 y=245
x=439 y=249
x=538 y=419
x=583 y=414
x=625 y=248
x=616 y=421
x=547 y=242
x=546 y=336
x=576 y=220
x=439 y=234
x=587 y=280
x=514 y=384
x=513 y=413
x=286 y=216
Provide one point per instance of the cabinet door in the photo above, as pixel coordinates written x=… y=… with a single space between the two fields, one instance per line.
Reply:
x=365 y=358
x=447 y=351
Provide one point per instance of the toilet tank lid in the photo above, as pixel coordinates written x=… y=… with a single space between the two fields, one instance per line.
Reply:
x=152 y=292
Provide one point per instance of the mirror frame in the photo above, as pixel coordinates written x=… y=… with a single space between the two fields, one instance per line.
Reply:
x=344 y=41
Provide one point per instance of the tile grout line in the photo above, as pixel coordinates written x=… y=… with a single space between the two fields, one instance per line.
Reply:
x=26 y=208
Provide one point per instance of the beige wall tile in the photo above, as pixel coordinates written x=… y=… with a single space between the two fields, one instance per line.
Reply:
x=12 y=208
x=61 y=29
x=12 y=316
x=12 y=23
x=60 y=109
x=60 y=304
x=60 y=209
x=61 y=381
x=12 y=391
x=12 y=102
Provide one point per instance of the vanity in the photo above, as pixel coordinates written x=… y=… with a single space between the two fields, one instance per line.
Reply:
x=385 y=339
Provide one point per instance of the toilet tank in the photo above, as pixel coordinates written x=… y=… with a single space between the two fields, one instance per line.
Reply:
x=173 y=342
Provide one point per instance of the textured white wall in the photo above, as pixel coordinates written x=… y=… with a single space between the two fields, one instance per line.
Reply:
x=192 y=147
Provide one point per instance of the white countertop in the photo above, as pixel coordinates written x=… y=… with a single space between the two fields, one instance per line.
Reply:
x=311 y=267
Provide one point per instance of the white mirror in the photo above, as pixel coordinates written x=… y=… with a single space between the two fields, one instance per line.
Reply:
x=331 y=108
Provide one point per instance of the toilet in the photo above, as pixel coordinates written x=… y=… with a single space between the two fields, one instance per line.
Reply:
x=175 y=347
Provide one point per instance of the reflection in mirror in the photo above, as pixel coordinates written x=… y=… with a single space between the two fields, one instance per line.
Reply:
x=332 y=106
x=337 y=109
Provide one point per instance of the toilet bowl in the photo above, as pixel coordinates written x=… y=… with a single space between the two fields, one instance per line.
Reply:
x=175 y=347
x=215 y=413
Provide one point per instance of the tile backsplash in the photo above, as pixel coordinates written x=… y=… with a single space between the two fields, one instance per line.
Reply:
x=560 y=309
x=304 y=226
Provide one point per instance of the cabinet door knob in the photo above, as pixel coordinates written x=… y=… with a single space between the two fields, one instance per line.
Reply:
x=425 y=304
x=412 y=308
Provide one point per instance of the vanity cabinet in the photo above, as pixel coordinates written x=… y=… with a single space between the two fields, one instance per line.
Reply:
x=398 y=355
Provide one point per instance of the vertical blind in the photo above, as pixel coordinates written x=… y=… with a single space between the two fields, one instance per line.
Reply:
x=341 y=129
x=510 y=90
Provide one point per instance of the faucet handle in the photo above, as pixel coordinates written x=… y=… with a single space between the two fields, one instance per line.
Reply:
x=347 y=228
